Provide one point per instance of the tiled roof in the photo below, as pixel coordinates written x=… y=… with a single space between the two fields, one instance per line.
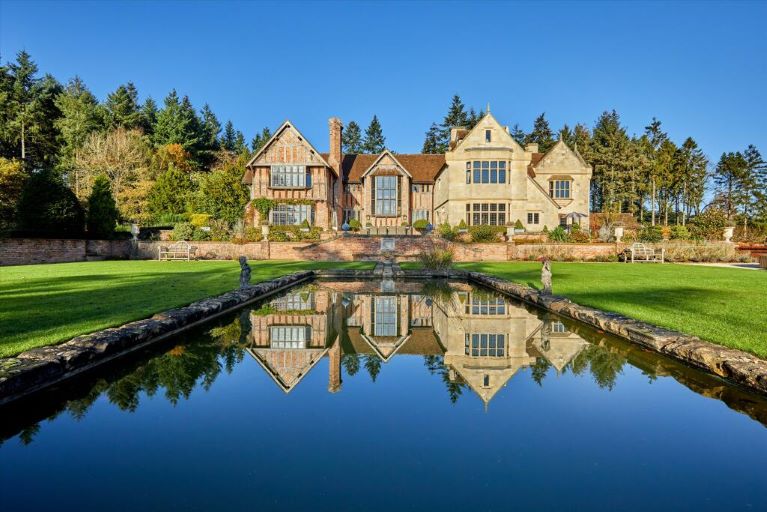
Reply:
x=422 y=167
x=536 y=157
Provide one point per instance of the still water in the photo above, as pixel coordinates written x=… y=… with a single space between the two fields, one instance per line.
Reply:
x=357 y=396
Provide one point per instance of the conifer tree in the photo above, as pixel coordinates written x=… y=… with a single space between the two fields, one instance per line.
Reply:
x=102 y=210
x=240 y=147
x=148 y=116
x=567 y=136
x=518 y=134
x=351 y=140
x=123 y=108
x=80 y=116
x=228 y=138
x=374 y=141
x=656 y=137
x=456 y=117
x=757 y=169
x=541 y=134
x=177 y=123
x=260 y=140
x=431 y=144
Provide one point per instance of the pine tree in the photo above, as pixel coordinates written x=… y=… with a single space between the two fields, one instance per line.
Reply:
x=47 y=207
x=228 y=138
x=518 y=134
x=690 y=170
x=239 y=144
x=374 y=141
x=431 y=144
x=730 y=180
x=210 y=130
x=456 y=117
x=177 y=123
x=351 y=140
x=102 y=210
x=757 y=169
x=149 y=116
x=656 y=137
x=610 y=147
x=260 y=140
x=123 y=108
x=473 y=118
x=541 y=134
x=567 y=136
x=80 y=116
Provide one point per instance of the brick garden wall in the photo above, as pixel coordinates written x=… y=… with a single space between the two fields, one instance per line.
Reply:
x=26 y=251
x=357 y=248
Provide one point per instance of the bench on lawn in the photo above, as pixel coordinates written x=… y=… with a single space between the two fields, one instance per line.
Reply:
x=641 y=253
x=177 y=251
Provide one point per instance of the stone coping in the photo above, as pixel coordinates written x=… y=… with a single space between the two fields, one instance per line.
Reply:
x=734 y=365
x=39 y=368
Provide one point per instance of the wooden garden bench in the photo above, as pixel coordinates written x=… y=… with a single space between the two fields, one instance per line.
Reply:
x=641 y=253
x=177 y=251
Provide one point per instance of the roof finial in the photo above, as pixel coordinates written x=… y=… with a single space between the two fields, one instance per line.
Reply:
x=488 y=108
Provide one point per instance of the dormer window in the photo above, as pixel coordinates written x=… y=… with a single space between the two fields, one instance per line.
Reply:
x=488 y=135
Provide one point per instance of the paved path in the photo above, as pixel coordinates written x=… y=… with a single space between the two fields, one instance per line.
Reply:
x=746 y=266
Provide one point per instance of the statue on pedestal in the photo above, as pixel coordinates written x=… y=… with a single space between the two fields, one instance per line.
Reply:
x=244 y=272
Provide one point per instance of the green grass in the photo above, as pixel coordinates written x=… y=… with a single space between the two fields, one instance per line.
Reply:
x=46 y=304
x=722 y=305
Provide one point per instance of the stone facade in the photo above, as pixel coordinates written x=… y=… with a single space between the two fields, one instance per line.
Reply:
x=485 y=178
x=537 y=189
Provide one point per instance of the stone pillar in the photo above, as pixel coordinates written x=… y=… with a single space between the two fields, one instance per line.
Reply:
x=334 y=367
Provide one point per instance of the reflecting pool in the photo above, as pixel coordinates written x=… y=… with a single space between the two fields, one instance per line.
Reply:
x=364 y=395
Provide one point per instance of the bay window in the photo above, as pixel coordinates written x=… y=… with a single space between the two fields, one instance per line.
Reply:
x=385 y=196
x=289 y=336
x=485 y=345
x=559 y=189
x=290 y=176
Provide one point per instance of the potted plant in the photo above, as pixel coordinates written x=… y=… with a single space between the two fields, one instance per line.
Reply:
x=729 y=231
x=355 y=225
x=462 y=228
x=305 y=226
x=518 y=227
x=421 y=225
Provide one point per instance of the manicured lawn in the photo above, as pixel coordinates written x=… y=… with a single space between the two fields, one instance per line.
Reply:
x=722 y=305
x=46 y=304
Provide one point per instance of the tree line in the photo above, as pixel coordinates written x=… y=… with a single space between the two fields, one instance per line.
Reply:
x=647 y=175
x=59 y=144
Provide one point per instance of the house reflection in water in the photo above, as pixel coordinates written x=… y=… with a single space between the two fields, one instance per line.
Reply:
x=483 y=338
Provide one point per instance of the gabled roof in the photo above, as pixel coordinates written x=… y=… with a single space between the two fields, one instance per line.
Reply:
x=514 y=144
x=390 y=155
x=287 y=367
x=422 y=167
x=287 y=124
x=558 y=145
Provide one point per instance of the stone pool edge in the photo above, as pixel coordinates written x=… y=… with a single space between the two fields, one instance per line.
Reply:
x=731 y=364
x=39 y=368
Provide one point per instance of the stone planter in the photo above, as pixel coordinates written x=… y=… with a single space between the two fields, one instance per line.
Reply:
x=728 y=232
x=265 y=232
x=618 y=233
x=510 y=232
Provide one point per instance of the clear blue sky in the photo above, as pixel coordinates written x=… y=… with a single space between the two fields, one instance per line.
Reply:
x=699 y=67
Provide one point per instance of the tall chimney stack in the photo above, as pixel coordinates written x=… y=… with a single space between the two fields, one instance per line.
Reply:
x=336 y=129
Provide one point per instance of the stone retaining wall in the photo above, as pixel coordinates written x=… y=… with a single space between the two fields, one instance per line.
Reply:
x=26 y=251
x=38 y=368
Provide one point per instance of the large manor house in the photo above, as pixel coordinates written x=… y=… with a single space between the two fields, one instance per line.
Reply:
x=485 y=177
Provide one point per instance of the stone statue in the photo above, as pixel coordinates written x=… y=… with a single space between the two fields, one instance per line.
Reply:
x=244 y=272
x=546 y=276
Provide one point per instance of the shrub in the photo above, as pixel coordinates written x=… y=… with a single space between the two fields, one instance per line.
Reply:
x=484 y=233
x=420 y=224
x=219 y=230
x=47 y=207
x=253 y=234
x=462 y=224
x=200 y=235
x=169 y=219
x=545 y=229
x=355 y=225
x=279 y=236
x=436 y=259
x=679 y=233
x=102 y=210
x=518 y=225
x=199 y=220
x=183 y=231
x=446 y=232
x=170 y=192
x=703 y=252
x=709 y=224
x=651 y=234
x=579 y=237
x=558 y=234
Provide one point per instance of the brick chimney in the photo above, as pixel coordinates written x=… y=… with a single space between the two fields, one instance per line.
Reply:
x=336 y=129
